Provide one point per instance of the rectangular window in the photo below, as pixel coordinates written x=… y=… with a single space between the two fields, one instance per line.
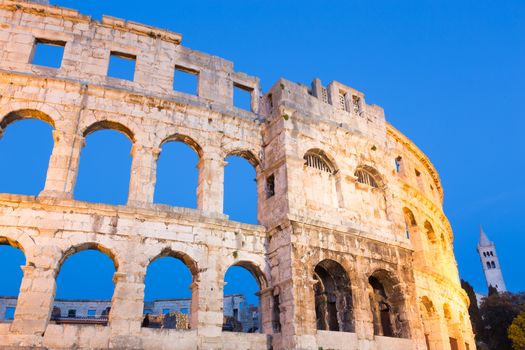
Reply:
x=48 y=53
x=186 y=80
x=270 y=100
x=121 y=65
x=342 y=100
x=92 y=313
x=165 y=311
x=398 y=162
x=324 y=95
x=270 y=186
x=71 y=313
x=236 y=313
x=356 y=104
x=453 y=344
x=242 y=97
x=10 y=312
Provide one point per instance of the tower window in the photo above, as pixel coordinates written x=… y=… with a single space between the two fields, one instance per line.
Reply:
x=492 y=264
x=316 y=161
x=270 y=186
x=356 y=104
x=324 y=95
x=342 y=100
x=488 y=265
x=366 y=178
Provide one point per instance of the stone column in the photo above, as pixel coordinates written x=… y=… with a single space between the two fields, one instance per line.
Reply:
x=143 y=175
x=437 y=333
x=35 y=301
x=209 y=303
x=265 y=310
x=210 y=188
x=127 y=304
x=63 y=165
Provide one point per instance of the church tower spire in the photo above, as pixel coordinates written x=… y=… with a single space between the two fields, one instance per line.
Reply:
x=489 y=261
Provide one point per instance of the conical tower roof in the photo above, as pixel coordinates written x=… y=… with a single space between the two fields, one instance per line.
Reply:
x=483 y=239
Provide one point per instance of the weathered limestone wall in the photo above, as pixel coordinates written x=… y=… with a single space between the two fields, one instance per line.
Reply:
x=317 y=215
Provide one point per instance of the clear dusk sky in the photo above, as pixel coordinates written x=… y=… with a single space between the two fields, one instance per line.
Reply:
x=450 y=75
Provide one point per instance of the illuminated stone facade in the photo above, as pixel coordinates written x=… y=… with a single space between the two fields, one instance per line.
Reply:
x=353 y=250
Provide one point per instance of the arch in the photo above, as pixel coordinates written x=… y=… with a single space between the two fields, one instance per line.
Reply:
x=87 y=246
x=410 y=220
x=431 y=235
x=319 y=159
x=170 y=307
x=178 y=171
x=246 y=154
x=20 y=114
x=109 y=125
x=187 y=140
x=428 y=309
x=387 y=304
x=333 y=297
x=368 y=175
x=84 y=272
x=13 y=257
x=242 y=304
x=26 y=151
x=105 y=165
x=446 y=311
x=241 y=189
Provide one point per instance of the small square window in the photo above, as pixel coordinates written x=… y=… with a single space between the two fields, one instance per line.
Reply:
x=48 y=53
x=121 y=66
x=186 y=80
x=71 y=313
x=92 y=313
x=242 y=97
x=165 y=311
x=10 y=312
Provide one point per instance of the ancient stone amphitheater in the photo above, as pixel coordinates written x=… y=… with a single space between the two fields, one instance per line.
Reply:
x=352 y=250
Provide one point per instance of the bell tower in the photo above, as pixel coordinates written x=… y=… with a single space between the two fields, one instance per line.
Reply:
x=489 y=261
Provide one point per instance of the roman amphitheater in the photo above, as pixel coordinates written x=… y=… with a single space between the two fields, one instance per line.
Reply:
x=352 y=249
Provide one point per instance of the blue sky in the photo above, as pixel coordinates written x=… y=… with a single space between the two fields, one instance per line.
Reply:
x=449 y=74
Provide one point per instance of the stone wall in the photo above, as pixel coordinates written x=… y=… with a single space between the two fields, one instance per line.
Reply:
x=327 y=241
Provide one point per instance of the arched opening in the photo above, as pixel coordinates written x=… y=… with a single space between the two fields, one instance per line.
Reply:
x=321 y=182
x=333 y=297
x=242 y=312
x=168 y=292
x=85 y=286
x=387 y=306
x=410 y=223
x=240 y=188
x=26 y=143
x=431 y=323
x=177 y=174
x=371 y=192
x=105 y=165
x=431 y=235
x=12 y=258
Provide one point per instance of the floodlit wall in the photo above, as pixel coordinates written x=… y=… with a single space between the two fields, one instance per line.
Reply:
x=333 y=182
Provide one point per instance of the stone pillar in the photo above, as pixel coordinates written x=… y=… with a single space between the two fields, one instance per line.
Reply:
x=210 y=188
x=437 y=333
x=35 y=301
x=265 y=310
x=127 y=305
x=209 y=303
x=143 y=175
x=63 y=165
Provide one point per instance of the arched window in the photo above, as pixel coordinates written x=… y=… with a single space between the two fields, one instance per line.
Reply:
x=387 y=306
x=168 y=293
x=431 y=235
x=177 y=175
x=12 y=258
x=367 y=176
x=488 y=264
x=25 y=149
x=240 y=189
x=410 y=221
x=86 y=275
x=333 y=297
x=493 y=264
x=446 y=311
x=317 y=159
x=105 y=167
x=242 y=311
